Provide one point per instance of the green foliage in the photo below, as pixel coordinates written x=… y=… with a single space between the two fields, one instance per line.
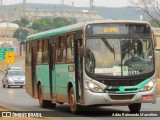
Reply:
x=21 y=34
x=73 y=21
x=24 y=22
x=47 y=24
x=60 y=22
x=42 y=24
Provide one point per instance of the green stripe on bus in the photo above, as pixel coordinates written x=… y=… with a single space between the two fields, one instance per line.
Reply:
x=48 y=33
x=133 y=89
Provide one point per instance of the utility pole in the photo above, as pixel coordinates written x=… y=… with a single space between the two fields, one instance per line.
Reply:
x=1 y=2
x=90 y=9
x=1 y=6
x=24 y=7
x=62 y=7
x=72 y=8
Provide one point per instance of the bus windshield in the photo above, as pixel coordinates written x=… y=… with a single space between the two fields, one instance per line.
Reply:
x=119 y=57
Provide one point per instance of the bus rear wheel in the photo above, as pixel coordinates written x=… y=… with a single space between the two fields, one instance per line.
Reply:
x=134 y=107
x=44 y=103
x=72 y=101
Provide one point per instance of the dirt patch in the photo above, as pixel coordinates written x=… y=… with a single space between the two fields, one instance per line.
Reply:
x=19 y=58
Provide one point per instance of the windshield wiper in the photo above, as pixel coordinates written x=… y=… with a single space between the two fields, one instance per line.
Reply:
x=108 y=46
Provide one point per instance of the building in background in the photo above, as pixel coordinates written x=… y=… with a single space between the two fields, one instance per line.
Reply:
x=7 y=30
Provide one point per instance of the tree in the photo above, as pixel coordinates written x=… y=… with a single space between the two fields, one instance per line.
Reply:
x=24 y=22
x=21 y=34
x=60 y=22
x=150 y=7
x=42 y=24
x=73 y=21
x=47 y=24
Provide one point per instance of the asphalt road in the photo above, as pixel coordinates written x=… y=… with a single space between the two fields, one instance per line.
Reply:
x=17 y=99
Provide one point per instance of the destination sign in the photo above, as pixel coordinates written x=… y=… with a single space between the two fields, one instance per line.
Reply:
x=100 y=29
x=111 y=30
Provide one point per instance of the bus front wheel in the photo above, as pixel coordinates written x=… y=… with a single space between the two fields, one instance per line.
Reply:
x=134 y=107
x=72 y=101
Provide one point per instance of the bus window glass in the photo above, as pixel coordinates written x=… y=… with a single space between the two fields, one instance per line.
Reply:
x=70 y=48
x=119 y=57
x=45 y=52
x=61 y=51
x=137 y=56
x=100 y=58
x=39 y=55
x=28 y=54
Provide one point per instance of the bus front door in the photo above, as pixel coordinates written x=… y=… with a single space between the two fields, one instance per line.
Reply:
x=78 y=71
x=52 y=81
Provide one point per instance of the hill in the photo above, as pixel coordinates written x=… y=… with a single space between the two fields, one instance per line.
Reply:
x=108 y=13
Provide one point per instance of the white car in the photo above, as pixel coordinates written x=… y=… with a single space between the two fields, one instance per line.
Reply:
x=13 y=77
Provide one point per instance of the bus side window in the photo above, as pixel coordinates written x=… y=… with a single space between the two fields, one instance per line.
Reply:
x=45 y=51
x=39 y=53
x=70 y=48
x=61 y=51
x=28 y=54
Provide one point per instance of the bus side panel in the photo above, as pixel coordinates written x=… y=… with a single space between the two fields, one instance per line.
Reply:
x=28 y=82
x=42 y=75
x=63 y=77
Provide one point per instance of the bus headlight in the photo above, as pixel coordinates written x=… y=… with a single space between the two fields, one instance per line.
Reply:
x=149 y=85
x=93 y=87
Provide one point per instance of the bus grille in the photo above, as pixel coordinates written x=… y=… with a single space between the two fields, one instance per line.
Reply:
x=121 y=97
x=121 y=82
x=116 y=89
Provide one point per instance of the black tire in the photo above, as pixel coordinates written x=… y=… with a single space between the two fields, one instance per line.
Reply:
x=8 y=86
x=4 y=86
x=72 y=101
x=44 y=103
x=21 y=86
x=134 y=107
x=52 y=105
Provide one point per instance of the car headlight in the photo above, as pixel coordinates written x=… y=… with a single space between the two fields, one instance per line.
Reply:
x=149 y=85
x=10 y=78
x=93 y=87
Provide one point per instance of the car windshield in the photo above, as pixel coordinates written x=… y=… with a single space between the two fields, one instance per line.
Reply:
x=119 y=57
x=15 y=73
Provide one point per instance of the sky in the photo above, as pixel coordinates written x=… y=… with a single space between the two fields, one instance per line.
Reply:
x=77 y=3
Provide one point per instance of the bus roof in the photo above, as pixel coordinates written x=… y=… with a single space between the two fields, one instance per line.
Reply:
x=57 y=31
x=75 y=27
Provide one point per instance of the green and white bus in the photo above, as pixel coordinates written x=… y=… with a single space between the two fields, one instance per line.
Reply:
x=92 y=63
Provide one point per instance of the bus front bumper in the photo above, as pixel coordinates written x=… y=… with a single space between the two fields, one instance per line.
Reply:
x=92 y=98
